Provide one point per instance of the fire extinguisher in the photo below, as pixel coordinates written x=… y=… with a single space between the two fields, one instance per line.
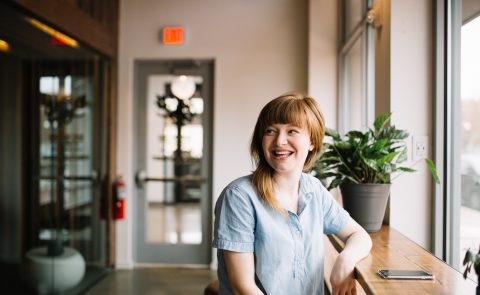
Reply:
x=119 y=191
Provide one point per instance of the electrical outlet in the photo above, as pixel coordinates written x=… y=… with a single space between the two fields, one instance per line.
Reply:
x=419 y=149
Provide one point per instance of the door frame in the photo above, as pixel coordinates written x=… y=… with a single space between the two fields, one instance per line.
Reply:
x=142 y=70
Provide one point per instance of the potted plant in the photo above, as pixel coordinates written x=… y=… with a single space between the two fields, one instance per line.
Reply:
x=361 y=163
x=470 y=260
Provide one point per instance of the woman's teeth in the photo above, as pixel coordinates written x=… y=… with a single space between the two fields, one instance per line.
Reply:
x=282 y=153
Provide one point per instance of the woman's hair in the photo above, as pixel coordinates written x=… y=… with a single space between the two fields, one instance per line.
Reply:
x=293 y=108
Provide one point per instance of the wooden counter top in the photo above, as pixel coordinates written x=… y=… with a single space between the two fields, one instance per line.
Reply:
x=393 y=250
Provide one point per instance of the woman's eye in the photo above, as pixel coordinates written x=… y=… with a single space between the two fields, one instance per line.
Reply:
x=293 y=131
x=269 y=132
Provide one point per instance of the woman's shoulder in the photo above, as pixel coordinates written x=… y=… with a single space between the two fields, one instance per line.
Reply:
x=241 y=185
x=241 y=181
x=310 y=180
x=238 y=191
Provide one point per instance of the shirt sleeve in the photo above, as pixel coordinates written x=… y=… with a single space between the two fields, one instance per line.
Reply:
x=234 y=227
x=335 y=217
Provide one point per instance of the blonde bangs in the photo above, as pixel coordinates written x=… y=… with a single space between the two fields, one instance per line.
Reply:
x=286 y=111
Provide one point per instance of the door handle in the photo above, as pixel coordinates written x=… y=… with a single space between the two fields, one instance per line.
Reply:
x=140 y=178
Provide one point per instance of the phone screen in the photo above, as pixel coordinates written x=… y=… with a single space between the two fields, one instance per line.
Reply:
x=404 y=274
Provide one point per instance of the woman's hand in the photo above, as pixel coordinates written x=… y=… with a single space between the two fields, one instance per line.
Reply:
x=342 y=277
x=357 y=245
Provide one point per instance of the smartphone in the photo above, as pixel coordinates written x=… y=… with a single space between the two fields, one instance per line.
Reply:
x=405 y=274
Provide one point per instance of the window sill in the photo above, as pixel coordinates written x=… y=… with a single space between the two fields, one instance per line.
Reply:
x=393 y=250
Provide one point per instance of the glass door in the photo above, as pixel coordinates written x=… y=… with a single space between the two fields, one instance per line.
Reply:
x=52 y=98
x=173 y=152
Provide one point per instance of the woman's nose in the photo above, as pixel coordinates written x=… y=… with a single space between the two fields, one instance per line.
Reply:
x=281 y=138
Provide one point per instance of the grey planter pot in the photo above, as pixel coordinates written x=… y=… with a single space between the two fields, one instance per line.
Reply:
x=366 y=203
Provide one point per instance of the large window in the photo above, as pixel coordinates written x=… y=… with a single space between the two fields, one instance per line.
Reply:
x=459 y=128
x=356 y=67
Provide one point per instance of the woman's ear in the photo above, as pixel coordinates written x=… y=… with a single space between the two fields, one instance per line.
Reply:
x=311 y=148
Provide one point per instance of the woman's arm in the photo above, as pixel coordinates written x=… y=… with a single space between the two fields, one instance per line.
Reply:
x=241 y=272
x=357 y=245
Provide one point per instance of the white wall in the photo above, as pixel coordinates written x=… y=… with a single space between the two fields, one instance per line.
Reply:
x=323 y=57
x=411 y=94
x=260 y=52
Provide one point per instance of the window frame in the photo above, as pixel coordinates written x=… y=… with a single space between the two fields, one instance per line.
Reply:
x=365 y=32
x=447 y=115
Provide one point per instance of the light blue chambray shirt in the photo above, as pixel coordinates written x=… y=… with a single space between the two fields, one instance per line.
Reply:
x=289 y=251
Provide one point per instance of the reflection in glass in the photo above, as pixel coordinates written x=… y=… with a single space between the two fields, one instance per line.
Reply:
x=174 y=154
x=52 y=95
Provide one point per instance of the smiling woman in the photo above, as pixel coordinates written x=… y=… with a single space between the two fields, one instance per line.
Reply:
x=269 y=225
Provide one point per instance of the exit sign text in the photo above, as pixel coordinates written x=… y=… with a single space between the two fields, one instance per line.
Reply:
x=173 y=35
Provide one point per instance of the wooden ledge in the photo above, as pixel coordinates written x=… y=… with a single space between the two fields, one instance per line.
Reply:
x=393 y=250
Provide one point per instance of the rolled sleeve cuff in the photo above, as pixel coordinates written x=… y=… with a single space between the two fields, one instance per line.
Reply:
x=338 y=224
x=233 y=246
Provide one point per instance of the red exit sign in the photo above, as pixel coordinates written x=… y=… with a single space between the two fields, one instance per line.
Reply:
x=173 y=35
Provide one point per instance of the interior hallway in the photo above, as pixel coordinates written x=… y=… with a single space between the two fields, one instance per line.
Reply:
x=155 y=280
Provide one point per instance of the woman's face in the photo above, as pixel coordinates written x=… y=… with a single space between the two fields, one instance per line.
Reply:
x=286 y=147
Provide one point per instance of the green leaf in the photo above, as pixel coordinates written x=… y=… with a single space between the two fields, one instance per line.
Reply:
x=336 y=182
x=433 y=170
x=342 y=145
x=332 y=133
x=469 y=257
x=381 y=121
x=355 y=134
x=406 y=169
x=353 y=180
x=379 y=145
x=402 y=157
x=387 y=168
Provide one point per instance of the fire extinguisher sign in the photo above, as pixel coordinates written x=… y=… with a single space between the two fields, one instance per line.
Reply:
x=119 y=191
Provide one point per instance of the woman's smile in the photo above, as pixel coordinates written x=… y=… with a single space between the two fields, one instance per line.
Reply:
x=286 y=147
x=282 y=154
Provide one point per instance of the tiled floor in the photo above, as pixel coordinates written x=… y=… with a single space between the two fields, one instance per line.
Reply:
x=154 y=280
x=180 y=224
